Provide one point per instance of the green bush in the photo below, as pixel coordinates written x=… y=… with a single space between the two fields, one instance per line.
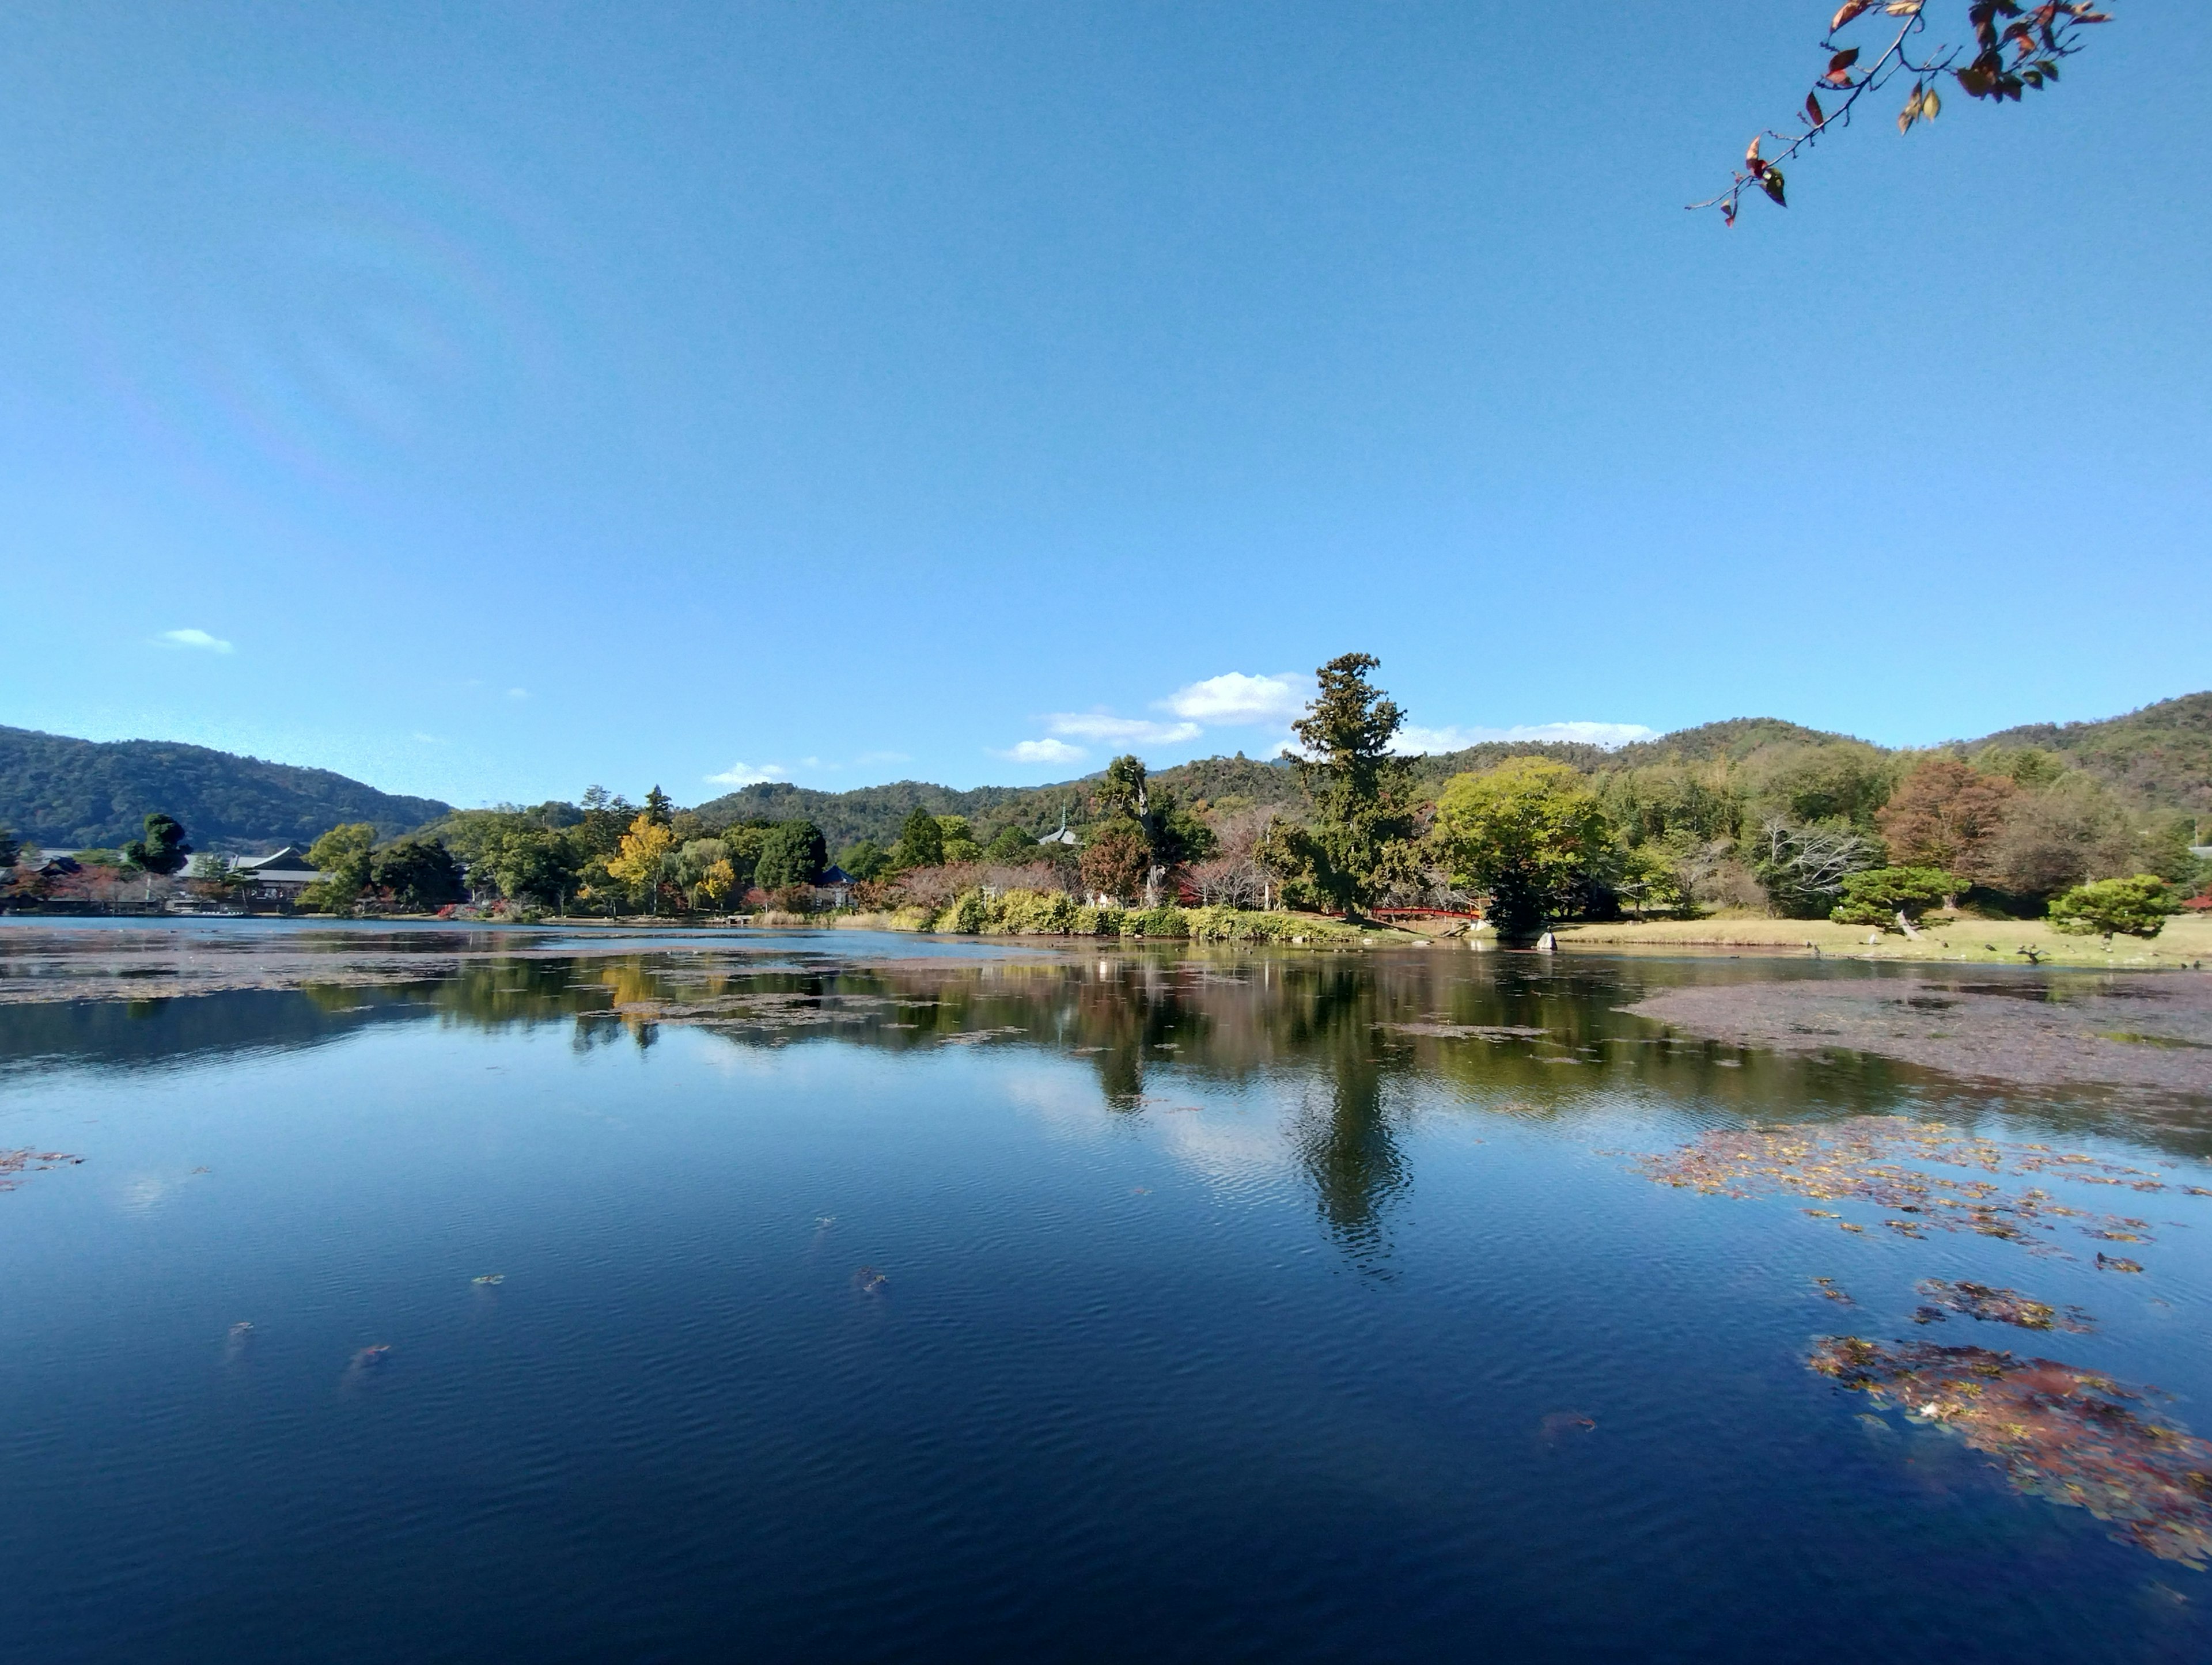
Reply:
x=968 y=913
x=2136 y=906
x=1236 y=925
x=1097 y=922
x=1033 y=913
x=1160 y=922
x=1878 y=896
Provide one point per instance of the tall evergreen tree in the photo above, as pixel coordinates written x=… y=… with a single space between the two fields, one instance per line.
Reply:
x=1362 y=832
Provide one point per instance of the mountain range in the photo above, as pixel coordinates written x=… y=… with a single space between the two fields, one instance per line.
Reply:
x=63 y=793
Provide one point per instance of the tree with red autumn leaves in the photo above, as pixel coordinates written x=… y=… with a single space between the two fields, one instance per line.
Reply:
x=1948 y=815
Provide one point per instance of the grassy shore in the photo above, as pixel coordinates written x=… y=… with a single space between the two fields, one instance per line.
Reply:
x=2185 y=941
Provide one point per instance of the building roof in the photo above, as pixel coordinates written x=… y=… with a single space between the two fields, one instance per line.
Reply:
x=291 y=856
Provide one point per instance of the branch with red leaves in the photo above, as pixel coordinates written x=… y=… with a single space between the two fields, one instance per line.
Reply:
x=2016 y=49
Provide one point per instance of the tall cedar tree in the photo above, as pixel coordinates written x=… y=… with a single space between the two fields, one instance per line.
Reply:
x=1362 y=825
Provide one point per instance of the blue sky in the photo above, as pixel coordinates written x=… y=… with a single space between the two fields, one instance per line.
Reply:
x=489 y=400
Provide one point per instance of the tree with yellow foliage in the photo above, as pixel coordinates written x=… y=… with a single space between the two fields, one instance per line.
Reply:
x=638 y=864
x=718 y=883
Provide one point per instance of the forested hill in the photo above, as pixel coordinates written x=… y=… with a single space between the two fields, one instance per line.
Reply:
x=68 y=794
x=64 y=794
x=2160 y=755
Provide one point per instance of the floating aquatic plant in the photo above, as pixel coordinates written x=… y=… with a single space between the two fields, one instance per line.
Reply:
x=1869 y=1159
x=2067 y=1435
x=1998 y=1306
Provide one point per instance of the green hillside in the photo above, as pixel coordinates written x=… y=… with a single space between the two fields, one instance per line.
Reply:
x=2160 y=755
x=67 y=794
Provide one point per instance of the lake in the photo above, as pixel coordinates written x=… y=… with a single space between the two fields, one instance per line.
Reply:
x=474 y=1296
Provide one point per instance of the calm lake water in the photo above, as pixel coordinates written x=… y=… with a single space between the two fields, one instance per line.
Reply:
x=877 y=1300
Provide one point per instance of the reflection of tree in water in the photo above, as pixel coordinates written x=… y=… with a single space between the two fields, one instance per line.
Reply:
x=1343 y=1133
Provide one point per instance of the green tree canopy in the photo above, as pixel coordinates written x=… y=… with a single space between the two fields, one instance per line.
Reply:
x=162 y=849
x=533 y=865
x=1362 y=830
x=342 y=857
x=421 y=874
x=1011 y=845
x=1528 y=832
x=792 y=853
x=863 y=857
x=2136 y=906
x=920 y=842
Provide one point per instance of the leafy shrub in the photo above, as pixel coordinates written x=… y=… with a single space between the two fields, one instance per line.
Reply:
x=968 y=913
x=1236 y=925
x=1097 y=922
x=2134 y=907
x=1878 y=896
x=1159 y=923
x=1033 y=913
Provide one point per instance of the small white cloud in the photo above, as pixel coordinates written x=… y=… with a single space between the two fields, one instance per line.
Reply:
x=199 y=639
x=1120 y=730
x=431 y=740
x=1235 y=698
x=1041 y=751
x=518 y=693
x=746 y=775
x=1414 y=740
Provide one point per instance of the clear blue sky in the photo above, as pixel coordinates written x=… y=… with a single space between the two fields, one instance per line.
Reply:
x=518 y=397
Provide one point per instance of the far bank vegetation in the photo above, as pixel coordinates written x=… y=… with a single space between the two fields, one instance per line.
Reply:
x=1753 y=817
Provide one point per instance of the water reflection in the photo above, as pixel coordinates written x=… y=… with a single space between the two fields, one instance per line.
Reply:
x=1353 y=1035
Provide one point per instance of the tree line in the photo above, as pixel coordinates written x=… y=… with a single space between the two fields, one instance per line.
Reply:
x=1780 y=821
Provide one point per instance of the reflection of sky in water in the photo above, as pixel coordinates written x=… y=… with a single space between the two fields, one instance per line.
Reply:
x=1302 y=1340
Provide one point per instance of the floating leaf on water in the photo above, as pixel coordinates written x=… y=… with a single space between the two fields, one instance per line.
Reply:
x=1823 y=1214
x=1866 y=1159
x=869 y=1281
x=487 y=1278
x=1828 y=1287
x=370 y=1359
x=2002 y=1306
x=2067 y=1435
x=2116 y=1263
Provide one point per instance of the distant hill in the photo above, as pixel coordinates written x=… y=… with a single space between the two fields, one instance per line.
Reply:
x=1731 y=741
x=2160 y=755
x=66 y=794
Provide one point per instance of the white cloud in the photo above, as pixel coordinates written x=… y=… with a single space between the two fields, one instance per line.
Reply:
x=1414 y=738
x=430 y=739
x=199 y=639
x=746 y=775
x=1043 y=751
x=518 y=693
x=1120 y=730
x=1235 y=698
